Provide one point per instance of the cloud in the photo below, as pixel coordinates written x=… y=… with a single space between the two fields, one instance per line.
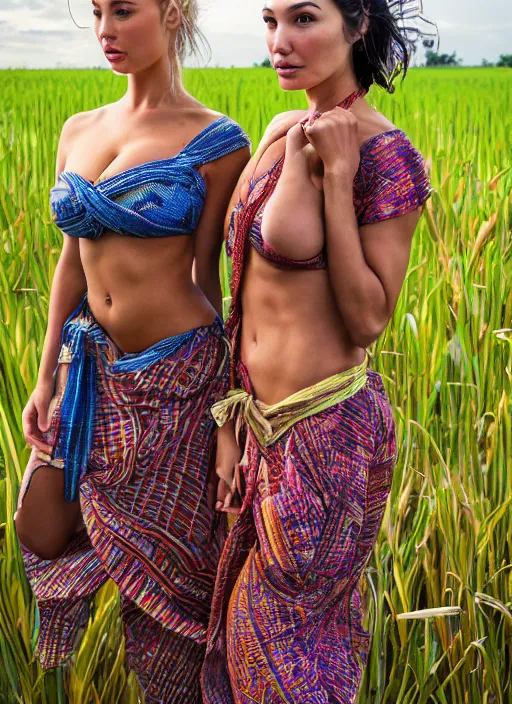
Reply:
x=41 y=34
x=465 y=28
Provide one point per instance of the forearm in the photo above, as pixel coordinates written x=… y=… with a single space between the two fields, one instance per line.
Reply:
x=359 y=293
x=68 y=288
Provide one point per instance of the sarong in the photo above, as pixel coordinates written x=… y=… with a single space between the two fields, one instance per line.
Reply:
x=286 y=623
x=147 y=444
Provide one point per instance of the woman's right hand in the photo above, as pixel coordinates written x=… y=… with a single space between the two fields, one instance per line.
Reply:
x=35 y=418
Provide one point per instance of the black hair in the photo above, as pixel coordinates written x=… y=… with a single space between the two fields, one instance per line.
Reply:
x=384 y=50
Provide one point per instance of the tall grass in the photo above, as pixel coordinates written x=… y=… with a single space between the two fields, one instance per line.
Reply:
x=446 y=357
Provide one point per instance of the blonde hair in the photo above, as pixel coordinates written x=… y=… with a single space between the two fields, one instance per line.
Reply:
x=189 y=38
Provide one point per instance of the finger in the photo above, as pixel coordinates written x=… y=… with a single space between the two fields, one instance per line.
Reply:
x=233 y=511
x=33 y=435
x=39 y=444
x=222 y=490
x=42 y=420
x=224 y=505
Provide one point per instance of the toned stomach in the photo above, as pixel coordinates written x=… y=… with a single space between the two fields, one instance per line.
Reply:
x=292 y=334
x=141 y=290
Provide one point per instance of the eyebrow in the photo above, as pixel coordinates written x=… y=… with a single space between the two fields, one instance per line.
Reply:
x=113 y=3
x=297 y=6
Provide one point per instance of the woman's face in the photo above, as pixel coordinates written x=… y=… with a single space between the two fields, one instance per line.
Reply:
x=306 y=42
x=133 y=33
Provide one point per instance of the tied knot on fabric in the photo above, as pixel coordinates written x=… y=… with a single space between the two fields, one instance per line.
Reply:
x=270 y=423
x=251 y=410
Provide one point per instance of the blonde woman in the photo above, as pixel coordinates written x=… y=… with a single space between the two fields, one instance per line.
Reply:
x=134 y=358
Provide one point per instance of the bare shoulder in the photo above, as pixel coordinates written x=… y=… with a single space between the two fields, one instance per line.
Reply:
x=77 y=122
x=279 y=126
x=371 y=123
x=197 y=116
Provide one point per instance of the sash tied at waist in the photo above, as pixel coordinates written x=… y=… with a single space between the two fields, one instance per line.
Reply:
x=271 y=422
x=77 y=412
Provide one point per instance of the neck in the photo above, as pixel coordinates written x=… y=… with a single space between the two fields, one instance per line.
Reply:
x=156 y=86
x=325 y=96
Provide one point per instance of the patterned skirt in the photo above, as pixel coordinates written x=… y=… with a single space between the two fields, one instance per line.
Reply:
x=143 y=495
x=286 y=622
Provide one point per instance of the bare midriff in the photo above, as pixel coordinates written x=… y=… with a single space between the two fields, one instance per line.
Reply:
x=141 y=291
x=292 y=333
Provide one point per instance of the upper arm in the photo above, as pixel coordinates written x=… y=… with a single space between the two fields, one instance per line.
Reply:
x=389 y=199
x=221 y=179
x=67 y=135
x=387 y=250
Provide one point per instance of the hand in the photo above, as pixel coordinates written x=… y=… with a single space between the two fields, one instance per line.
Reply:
x=229 y=499
x=280 y=125
x=228 y=470
x=35 y=418
x=334 y=136
x=296 y=139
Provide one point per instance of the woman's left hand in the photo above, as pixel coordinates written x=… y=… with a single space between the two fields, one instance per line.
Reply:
x=334 y=137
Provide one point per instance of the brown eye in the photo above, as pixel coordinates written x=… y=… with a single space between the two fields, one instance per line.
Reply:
x=305 y=19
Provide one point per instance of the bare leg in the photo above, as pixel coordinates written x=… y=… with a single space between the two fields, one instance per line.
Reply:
x=45 y=522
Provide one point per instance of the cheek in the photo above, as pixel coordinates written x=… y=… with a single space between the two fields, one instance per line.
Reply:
x=327 y=50
x=146 y=35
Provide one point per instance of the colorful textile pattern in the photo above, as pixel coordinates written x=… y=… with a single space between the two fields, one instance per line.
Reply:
x=247 y=217
x=391 y=181
x=147 y=523
x=269 y=423
x=157 y=199
x=260 y=191
x=286 y=616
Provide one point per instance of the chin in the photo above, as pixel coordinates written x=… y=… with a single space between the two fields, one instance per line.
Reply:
x=295 y=83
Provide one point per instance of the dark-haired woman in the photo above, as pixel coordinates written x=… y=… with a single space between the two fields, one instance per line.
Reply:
x=320 y=235
x=123 y=436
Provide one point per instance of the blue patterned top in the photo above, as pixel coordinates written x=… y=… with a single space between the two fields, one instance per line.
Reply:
x=157 y=199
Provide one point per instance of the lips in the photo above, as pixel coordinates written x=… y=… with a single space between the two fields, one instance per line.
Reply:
x=286 y=69
x=113 y=54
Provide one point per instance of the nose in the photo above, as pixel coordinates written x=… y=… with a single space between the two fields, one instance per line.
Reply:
x=106 y=30
x=281 y=43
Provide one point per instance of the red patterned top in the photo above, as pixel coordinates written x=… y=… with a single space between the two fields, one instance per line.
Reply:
x=391 y=180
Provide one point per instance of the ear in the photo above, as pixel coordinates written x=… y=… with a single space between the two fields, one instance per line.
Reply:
x=365 y=26
x=173 y=16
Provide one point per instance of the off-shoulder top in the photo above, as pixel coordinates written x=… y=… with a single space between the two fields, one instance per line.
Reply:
x=156 y=199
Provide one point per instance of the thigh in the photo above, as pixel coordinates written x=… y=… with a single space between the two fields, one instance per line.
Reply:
x=45 y=522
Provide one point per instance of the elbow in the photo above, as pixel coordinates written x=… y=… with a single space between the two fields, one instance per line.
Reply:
x=364 y=333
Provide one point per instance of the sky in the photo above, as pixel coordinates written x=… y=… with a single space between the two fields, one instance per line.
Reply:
x=41 y=34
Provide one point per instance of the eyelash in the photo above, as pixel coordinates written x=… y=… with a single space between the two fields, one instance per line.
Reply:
x=126 y=13
x=268 y=20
